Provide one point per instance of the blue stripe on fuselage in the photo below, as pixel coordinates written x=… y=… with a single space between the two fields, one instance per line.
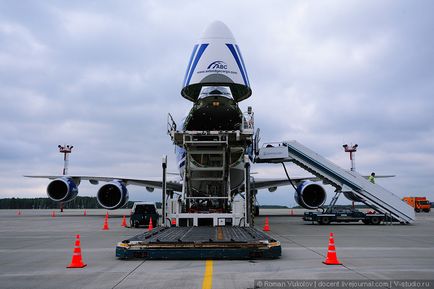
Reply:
x=190 y=61
x=242 y=62
x=196 y=60
x=237 y=59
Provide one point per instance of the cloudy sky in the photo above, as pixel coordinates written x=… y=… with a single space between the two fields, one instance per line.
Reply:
x=102 y=76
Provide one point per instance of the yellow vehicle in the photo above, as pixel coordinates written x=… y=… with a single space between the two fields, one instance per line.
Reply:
x=420 y=204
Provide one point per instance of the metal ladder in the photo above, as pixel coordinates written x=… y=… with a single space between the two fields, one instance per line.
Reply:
x=207 y=164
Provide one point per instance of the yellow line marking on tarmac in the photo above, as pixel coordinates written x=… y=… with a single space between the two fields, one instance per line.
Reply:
x=207 y=277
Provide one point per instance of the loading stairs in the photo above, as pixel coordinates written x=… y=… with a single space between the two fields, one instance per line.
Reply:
x=371 y=194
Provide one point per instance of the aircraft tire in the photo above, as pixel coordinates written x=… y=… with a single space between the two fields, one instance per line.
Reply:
x=324 y=221
x=375 y=220
x=366 y=221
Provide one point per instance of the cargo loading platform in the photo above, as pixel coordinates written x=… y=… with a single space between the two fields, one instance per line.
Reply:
x=175 y=243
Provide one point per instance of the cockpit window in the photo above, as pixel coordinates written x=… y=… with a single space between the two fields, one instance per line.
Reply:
x=215 y=91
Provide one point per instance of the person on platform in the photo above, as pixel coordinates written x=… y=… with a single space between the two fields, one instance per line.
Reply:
x=371 y=178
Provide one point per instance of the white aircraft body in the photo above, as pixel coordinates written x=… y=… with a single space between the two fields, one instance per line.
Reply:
x=215 y=82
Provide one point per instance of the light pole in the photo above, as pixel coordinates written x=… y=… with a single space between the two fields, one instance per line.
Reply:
x=352 y=150
x=65 y=150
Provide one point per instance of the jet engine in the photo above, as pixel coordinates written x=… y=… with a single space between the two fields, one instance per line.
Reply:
x=310 y=195
x=113 y=195
x=62 y=189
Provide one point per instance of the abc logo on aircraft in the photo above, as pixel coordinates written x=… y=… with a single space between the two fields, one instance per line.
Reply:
x=218 y=65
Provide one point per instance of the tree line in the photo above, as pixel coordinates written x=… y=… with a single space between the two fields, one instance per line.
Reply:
x=46 y=203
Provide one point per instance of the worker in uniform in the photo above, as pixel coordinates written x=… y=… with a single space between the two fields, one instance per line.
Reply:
x=371 y=178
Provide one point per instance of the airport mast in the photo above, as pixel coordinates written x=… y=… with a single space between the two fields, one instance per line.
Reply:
x=352 y=150
x=65 y=150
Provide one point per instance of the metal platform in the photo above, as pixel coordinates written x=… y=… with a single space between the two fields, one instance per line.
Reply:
x=177 y=243
x=371 y=194
x=205 y=138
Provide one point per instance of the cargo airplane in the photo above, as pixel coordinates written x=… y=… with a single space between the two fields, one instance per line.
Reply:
x=216 y=81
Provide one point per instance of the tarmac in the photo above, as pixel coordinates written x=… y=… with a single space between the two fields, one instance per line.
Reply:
x=35 y=249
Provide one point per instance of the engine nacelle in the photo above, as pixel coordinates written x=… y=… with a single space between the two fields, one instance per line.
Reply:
x=352 y=197
x=150 y=189
x=62 y=189
x=310 y=195
x=113 y=195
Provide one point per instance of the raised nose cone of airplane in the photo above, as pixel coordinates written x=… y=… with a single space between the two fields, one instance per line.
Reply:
x=216 y=61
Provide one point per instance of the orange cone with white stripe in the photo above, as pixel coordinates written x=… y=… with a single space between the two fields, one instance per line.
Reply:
x=77 y=261
x=332 y=258
x=105 y=227
x=150 y=227
x=124 y=221
x=267 y=225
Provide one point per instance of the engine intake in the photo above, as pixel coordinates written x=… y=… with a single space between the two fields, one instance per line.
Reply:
x=113 y=195
x=62 y=190
x=310 y=195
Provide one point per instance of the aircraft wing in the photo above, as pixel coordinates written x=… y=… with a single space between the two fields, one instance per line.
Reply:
x=262 y=183
x=171 y=185
x=381 y=176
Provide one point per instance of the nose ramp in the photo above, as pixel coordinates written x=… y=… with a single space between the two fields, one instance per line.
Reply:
x=216 y=61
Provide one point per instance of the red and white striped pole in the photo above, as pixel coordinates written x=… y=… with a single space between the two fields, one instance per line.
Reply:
x=352 y=150
x=65 y=150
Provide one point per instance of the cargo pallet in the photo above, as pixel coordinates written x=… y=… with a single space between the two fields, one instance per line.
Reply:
x=199 y=243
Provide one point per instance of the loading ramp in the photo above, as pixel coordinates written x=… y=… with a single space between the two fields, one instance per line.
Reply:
x=200 y=243
x=371 y=194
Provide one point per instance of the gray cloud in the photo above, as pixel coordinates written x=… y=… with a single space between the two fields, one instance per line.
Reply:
x=103 y=75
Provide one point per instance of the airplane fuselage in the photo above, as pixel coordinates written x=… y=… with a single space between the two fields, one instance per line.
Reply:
x=214 y=111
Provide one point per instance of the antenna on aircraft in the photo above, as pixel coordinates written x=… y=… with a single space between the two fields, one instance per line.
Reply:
x=352 y=150
x=65 y=150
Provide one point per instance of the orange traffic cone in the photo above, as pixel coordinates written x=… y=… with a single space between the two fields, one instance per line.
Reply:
x=84 y=214
x=18 y=213
x=105 y=227
x=267 y=225
x=332 y=258
x=124 y=221
x=53 y=214
x=150 y=227
x=77 y=261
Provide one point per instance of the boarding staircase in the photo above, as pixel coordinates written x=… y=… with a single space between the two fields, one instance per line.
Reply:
x=371 y=194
